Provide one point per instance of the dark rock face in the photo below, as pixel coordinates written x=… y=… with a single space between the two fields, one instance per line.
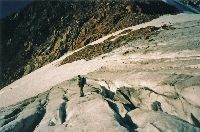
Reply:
x=45 y=30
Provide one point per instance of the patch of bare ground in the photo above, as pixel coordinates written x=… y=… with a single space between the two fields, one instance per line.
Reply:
x=92 y=51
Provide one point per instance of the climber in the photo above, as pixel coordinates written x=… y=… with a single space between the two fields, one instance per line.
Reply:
x=156 y=106
x=81 y=83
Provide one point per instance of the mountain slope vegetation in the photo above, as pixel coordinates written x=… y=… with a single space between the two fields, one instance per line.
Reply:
x=141 y=78
x=45 y=30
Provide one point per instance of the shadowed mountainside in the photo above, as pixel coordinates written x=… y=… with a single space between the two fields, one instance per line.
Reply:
x=143 y=78
x=45 y=30
x=194 y=3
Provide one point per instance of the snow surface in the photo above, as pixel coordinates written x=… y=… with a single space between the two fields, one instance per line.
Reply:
x=120 y=87
x=166 y=19
x=44 y=78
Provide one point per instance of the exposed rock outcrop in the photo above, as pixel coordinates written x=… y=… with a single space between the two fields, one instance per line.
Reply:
x=24 y=116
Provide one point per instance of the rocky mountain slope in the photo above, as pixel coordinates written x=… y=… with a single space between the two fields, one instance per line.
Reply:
x=45 y=30
x=142 y=78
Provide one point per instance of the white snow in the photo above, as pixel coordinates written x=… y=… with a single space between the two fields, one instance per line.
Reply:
x=52 y=74
x=166 y=19
x=44 y=78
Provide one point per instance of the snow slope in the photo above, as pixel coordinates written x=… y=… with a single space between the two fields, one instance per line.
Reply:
x=35 y=82
x=163 y=67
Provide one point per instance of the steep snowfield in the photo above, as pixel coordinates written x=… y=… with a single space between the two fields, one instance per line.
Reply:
x=121 y=86
x=35 y=82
